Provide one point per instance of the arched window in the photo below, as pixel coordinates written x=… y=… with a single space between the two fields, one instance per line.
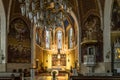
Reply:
x=70 y=38
x=37 y=38
x=48 y=38
x=59 y=39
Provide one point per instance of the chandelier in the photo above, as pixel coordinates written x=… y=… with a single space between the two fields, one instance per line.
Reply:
x=45 y=13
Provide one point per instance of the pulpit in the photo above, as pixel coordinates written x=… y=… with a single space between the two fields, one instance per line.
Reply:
x=89 y=58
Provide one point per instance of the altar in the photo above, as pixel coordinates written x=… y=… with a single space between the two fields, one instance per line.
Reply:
x=59 y=60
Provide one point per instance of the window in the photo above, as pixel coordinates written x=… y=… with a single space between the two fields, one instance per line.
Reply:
x=48 y=36
x=37 y=38
x=70 y=38
x=59 y=39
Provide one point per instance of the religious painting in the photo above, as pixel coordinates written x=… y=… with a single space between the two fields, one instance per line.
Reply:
x=115 y=20
x=19 y=50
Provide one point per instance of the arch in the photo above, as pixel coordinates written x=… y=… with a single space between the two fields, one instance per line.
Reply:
x=59 y=28
x=63 y=35
x=91 y=12
x=8 y=15
x=62 y=28
x=101 y=14
x=3 y=30
x=19 y=32
x=27 y=22
x=78 y=32
x=76 y=25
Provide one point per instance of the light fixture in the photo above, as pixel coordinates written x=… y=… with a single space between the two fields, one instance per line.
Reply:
x=45 y=13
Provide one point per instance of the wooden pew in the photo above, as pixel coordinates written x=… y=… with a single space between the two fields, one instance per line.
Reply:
x=10 y=76
x=95 y=77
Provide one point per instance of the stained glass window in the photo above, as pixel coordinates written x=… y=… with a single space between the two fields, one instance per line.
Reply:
x=37 y=38
x=70 y=38
x=59 y=39
x=48 y=35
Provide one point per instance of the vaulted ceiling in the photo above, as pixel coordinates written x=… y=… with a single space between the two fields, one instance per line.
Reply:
x=82 y=8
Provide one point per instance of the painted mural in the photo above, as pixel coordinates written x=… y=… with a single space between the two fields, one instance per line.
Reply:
x=19 y=42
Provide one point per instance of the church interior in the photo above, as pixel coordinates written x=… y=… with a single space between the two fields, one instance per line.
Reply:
x=59 y=39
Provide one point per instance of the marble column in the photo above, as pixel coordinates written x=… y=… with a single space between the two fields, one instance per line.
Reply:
x=107 y=34
x=3 y=38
